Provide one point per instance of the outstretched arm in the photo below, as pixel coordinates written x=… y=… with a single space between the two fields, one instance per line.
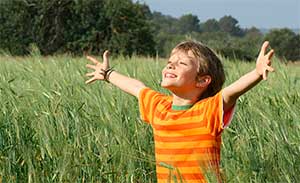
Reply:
x=127 y=84
x=263 y=65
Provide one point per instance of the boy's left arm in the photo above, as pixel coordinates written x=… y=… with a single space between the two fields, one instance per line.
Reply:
x=263 y=65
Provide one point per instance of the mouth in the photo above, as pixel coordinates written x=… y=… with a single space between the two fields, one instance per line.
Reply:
x=170 y=75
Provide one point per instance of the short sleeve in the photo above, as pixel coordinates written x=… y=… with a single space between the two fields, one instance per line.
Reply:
x=148 y=100
x=228 y=115
x=217 y=118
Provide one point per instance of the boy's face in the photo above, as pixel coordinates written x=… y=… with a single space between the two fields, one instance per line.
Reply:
x=180 y=72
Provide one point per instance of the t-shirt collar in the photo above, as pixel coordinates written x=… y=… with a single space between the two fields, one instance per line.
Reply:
x=181 y=107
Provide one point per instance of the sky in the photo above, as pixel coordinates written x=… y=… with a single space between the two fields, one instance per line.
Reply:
x=259 y=13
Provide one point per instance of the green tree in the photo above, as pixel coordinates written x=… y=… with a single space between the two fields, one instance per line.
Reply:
x=188 y=23
x=75 y=26
x=50 y=24
x=241 y=48
x=251 y=42
x=166 y=42
x=87 y=27
x=285 y=42
x=15 y=34
x=253 y=32
x=211 y=25
x=164 y=23
x=130 y=32
x=230 y=25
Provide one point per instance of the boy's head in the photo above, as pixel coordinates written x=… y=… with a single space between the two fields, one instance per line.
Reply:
x=196 y=55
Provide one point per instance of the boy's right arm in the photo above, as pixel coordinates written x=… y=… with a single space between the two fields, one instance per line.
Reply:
x=127 y=84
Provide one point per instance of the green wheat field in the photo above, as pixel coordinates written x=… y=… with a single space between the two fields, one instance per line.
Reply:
x=55 y=128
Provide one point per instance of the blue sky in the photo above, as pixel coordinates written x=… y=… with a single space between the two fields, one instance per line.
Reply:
x=258 y=13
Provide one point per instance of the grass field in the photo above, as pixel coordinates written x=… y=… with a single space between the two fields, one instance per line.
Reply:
x=54 y=128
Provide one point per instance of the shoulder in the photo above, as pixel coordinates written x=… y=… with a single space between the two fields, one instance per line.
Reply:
x=215 y=99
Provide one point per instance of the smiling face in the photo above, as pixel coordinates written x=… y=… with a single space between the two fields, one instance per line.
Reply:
x=193 y=65
x=180 y=73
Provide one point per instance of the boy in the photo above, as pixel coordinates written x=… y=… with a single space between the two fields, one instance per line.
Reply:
x=187 y=126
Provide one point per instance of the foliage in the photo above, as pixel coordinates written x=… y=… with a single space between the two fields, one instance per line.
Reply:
x=211 y=25
x=188 y=23
x=129 y=33
x=126 y=28
x=164 y=23
x=286 y=42
x=75 y=26
x=87 y=27
x=54 y=128
x=230 y=25
x=223 y=35
x=166 y=42
x=14 y=34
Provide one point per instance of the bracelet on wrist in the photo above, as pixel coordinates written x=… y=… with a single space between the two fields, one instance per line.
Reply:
x=106 y=73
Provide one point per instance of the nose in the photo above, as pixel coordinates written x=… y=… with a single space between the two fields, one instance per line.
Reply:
x=170 y=66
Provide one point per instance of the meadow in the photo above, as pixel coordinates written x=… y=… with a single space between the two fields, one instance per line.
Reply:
x=55 y=128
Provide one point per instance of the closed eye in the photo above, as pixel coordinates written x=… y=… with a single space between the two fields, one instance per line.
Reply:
x=182 y=63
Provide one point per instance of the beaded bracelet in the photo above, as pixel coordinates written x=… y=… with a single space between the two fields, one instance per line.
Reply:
x=106 y=73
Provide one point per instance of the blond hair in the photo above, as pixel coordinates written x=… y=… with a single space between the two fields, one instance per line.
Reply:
x=209 y=64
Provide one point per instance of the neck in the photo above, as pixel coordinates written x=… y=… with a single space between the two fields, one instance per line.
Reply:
x=181 y=99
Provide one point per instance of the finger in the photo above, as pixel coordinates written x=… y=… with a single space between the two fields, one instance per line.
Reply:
x=271 y=69
x=270 y=54
x=90 y=80
x=265 y=75
x=106 y=59
x=90 y=74
x=90 y=66
x=95 y=61
x=264 y=48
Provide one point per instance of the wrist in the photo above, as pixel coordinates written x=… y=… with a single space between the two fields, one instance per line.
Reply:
x=257 y=74
x=106 y=78
x=106 y=73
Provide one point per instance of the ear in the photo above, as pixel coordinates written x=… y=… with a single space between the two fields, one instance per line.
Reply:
x=203 y=81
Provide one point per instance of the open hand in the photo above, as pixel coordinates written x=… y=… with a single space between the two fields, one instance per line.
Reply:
x=99 y=68
x=263 y=63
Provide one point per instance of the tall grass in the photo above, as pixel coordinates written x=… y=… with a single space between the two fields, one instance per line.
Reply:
x=54 y=128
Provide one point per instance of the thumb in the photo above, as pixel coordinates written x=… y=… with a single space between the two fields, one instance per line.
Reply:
x=106 y=59
x=263 y=49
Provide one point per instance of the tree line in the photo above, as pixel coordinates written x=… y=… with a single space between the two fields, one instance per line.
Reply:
x=127 y=28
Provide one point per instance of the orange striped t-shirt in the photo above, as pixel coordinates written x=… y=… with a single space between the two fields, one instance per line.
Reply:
x=187 y=142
